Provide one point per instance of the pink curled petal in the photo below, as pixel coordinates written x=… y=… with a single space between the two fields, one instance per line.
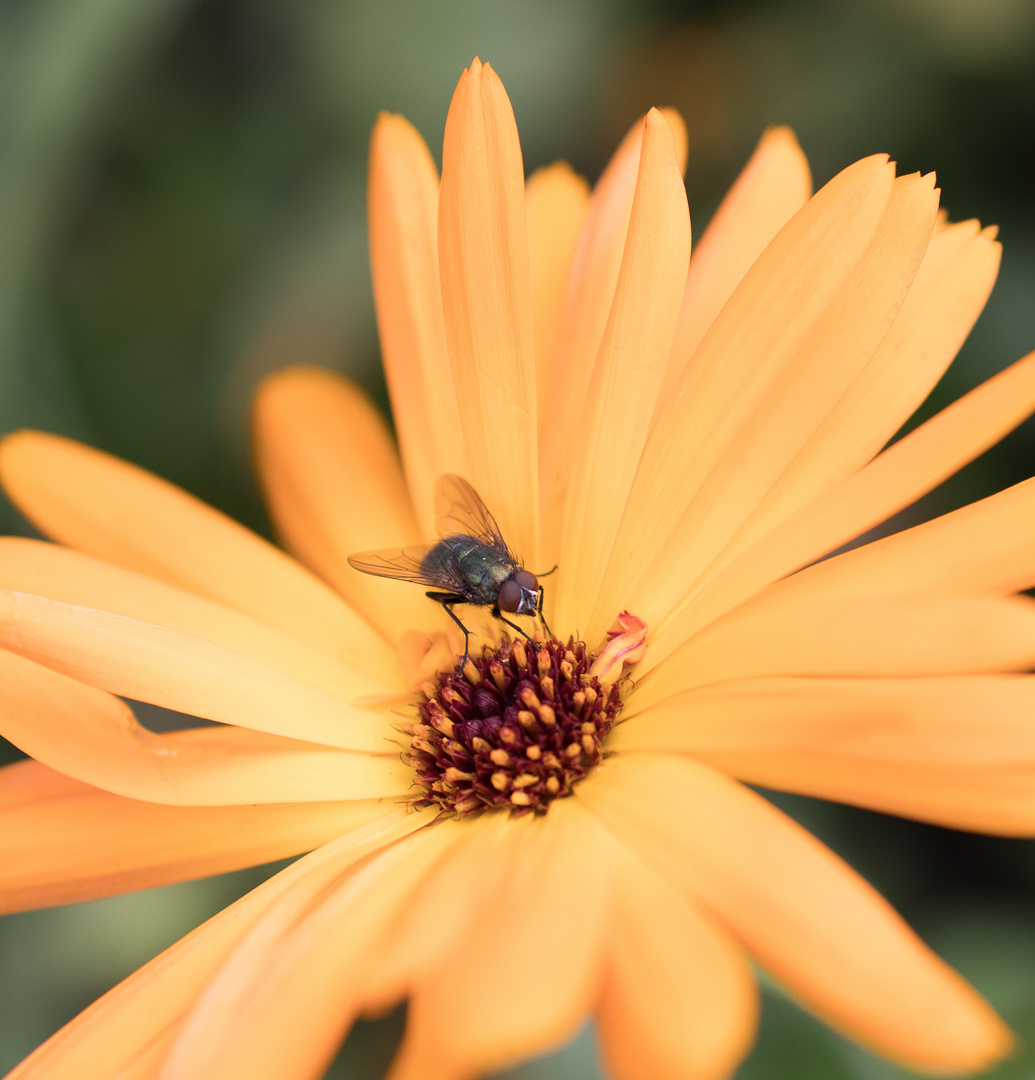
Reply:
x=627 y=644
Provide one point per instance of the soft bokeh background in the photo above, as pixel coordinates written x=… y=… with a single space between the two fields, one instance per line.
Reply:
x=182 y=210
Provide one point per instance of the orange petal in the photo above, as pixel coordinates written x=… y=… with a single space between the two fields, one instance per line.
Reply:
x=918 y=635
x=901 y=474
x=282 y=1003
x=943 y=304
x=59 y=573
x=587 y=307
x=954 y=751
x=93 y=736
x=403 y=219
x=805 y=916
x=487 y=302
x=119 y=1031
x=755 y=340
x=179 y=671
x=63 y=841
x=985 y=547
x=104 y=506
x=556 y=204
x=773 y=186
x=679 y=1001
x=627 y=375
x=452 y=895
x=722 y=449
x=559 y=863
x=332 y=478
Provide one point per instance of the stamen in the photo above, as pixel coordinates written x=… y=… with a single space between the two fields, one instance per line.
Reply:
x=518 y=727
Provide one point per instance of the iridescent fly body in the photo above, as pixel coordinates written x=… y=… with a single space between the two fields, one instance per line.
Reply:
x=471 y=564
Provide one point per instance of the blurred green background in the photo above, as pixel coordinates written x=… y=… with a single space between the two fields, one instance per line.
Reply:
x=182 y=210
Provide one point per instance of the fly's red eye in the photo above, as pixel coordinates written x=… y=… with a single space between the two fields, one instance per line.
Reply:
x=526 y=580
x=509 y=596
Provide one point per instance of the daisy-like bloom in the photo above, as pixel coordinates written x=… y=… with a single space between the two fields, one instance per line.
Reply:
x=562 y=829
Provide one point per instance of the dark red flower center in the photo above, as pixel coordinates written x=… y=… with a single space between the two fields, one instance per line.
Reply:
x=517 y=728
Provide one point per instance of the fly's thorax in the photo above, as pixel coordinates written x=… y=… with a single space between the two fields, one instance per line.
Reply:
x=484 y=568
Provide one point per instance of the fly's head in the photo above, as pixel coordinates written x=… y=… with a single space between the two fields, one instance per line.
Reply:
x=519 y=594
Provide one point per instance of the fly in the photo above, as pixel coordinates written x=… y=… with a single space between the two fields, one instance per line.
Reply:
x=471 y=564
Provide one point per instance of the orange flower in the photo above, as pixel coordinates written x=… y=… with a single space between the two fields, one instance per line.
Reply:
x=685 y=446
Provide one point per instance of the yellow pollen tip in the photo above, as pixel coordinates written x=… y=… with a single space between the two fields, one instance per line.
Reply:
x=528 y=696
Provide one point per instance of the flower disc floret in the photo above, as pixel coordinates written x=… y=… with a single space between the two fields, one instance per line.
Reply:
x=517 y=728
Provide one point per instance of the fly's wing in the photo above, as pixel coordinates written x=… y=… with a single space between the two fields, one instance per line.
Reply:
x=410 y=564
x=460 y=511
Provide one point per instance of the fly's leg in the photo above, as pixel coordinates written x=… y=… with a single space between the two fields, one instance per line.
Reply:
x=514 y=626
x=447 y=600
x=539 y=609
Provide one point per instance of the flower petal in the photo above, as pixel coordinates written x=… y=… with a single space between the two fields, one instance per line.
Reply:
x=901 y=474
x=545 y=964
x=679 y=1001
x=951 y=287
x=63 y=841
x=106 y=507
x=587 y=307
x=331 y=474
x=755 y=339
x=802 y=913
x=985 y=547
x=452 y=895
x=282 y=1002
x=917 y=635
x=556 y=204
x=93 y=736
x=120 y=1030
x=773 y=186
x=59 y=573
x=487 y=302
x=179 y=671
x=627 y=375
x=403 y=219
x=741 y=416
x=954 y=751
